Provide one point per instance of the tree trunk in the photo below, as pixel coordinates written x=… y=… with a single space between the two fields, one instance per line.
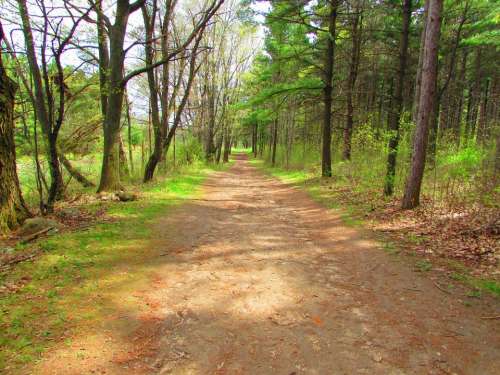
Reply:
x=254 y=139
x=497 y=159
x=473 y=99
x=110 y=171
x=218 y=152
x=129 y=136
x=12 y=207
x=357 y=25
x=124 y=171
x=158 y=129
x=75 y=173
x=418 y=81
x=227 y=145
x=413 y=186
x=43 y=115
x=456 y=122
x=274 y=142
x=394 y=116
x=482 y=123
x=326 y=159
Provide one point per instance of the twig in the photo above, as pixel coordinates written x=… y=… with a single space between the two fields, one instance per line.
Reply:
x=34 y=236
x=10 y=263
x=412 y=289
x=441 y=288
x=491 y=317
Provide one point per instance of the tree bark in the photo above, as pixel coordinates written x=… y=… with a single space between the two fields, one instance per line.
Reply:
x=274 y=142
x=413 y=186
x=227 y=144
x=394 y=116
x=473 y=99
x=75 y=173
x=482 y=130
x=357 y=24
x=44 y=116
x=12 y=207
x=158 y=129
x=418 y=81
x=326 y=159
x=110 y=171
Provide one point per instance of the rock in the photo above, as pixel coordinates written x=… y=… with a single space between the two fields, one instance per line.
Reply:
x=125 y=196
x=36 y=224
x=107 y=196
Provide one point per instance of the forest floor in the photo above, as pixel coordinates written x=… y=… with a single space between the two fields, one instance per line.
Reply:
x=252 y=276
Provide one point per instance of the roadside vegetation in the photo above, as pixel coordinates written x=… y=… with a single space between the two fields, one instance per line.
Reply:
x=69 y=283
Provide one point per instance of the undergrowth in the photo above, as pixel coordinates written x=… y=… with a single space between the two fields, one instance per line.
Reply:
x=360 y=202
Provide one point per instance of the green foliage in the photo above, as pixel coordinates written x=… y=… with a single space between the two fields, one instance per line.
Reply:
x=463 y=163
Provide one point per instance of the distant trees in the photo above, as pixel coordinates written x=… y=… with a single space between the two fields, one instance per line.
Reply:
x=353 y=81
x=97 y=39
x=354 y=72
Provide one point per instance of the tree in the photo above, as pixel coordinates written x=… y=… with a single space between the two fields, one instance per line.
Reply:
x=394 y=116
x=13 y=210
x=49 y=89
x=356 y=34
x=411 y=197
x=326 y=161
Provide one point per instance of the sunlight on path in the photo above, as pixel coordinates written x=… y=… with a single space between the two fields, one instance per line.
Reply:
x=256 y=278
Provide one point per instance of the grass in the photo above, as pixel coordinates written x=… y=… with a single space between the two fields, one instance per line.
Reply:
x=64 y=287
x=328 y=193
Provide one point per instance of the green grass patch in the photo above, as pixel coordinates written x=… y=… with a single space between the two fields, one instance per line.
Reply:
x=65 y=285
x=423 y=265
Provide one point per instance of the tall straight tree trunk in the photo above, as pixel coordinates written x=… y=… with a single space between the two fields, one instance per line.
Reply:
x=394 y=116
x=482 y=130
x=254 y=139
x=473 y=99
x=274 y=142
x=158 y=129
x=418 y=81
x=12 y=208
x=326 y=159
x=357 y=25
x=227 y=144
x=426 y=103
x=124 y=171
x=435 y=126
x=129 y=136
x=456 y=122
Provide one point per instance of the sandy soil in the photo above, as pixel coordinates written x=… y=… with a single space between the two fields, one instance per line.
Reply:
x=256 y=278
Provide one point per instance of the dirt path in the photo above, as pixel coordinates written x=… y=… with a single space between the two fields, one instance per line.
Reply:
x=256 y=278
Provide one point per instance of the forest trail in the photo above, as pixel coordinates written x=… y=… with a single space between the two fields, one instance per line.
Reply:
x=256 y=278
